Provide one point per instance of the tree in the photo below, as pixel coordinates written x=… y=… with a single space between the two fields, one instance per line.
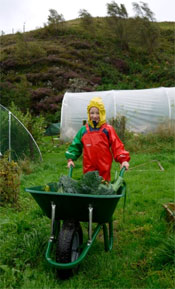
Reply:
x=146 y=34
x=143 y=11
x=118 y=23
x=145 y=31
x=54 y=19
x=114 y=10
x=86 y=18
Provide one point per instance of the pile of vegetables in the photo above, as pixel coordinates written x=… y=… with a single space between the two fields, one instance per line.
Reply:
x=89 y=183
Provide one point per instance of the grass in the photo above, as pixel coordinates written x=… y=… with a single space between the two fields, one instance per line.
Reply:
x=143 y=250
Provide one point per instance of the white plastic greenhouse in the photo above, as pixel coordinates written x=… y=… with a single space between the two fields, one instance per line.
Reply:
x=144 y=109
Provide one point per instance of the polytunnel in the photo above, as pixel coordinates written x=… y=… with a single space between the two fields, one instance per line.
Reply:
x=144 y=109
x=15 y=139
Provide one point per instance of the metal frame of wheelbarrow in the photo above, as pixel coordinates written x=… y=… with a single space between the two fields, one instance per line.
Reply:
x=79 y=208
x=107 y=234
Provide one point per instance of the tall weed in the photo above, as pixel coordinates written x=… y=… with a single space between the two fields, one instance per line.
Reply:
x=165 y=253
x=160 y=140
x=9 y=181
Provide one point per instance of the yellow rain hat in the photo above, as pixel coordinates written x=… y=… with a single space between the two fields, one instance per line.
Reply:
x=97 y=102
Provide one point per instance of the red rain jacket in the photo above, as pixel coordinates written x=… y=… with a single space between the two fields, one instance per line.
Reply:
x=99 y=148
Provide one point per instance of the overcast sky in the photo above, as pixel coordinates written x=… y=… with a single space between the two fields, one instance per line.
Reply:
x=17 y=15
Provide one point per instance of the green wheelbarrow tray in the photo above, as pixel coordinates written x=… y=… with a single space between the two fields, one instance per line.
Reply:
x=75 y=206
x=78 y=207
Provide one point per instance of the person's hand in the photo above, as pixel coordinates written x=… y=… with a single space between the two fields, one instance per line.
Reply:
x=70 y=163
x=124 y=164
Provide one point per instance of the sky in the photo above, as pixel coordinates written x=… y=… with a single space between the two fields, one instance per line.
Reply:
x=26 y=15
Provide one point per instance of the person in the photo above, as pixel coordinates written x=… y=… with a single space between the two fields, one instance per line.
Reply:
x=98 y=142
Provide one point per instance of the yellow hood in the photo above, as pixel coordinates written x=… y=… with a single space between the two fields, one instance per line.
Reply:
x=97 y=102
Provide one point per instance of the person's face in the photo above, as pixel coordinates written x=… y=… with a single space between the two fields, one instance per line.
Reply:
x=94 y=114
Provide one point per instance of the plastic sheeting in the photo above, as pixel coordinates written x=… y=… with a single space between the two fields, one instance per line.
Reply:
x=144 y=109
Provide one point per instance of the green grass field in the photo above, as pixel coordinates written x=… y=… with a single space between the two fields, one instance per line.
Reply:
x=143 y=250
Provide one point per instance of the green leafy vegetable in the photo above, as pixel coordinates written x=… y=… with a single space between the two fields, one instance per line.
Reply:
x=67 y=185
x=90 y=183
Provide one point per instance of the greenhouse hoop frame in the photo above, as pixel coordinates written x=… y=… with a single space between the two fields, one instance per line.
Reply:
x=10 y=114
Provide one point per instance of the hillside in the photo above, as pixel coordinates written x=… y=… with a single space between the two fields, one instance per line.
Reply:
x=37 y=67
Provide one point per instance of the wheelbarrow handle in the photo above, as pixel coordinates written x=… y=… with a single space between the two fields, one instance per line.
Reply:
x=121 y=174
x=70 y=171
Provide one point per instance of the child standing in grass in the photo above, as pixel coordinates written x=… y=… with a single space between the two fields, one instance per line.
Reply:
x=99 y=143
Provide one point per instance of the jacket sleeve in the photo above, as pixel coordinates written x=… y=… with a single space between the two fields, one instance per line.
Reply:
x=119 y=153
x=76 y=147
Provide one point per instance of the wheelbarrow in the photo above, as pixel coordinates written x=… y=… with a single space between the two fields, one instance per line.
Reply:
x=66 y=249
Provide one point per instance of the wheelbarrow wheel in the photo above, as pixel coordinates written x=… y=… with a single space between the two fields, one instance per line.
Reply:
x=70 y=239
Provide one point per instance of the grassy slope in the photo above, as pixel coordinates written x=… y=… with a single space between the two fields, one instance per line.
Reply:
x=134 y=262
x=79 y=59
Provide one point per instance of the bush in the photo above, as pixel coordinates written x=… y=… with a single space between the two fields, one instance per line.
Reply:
x=160 y=140
x=26 y=51
x=119 y=124
x=35 y=125
x=9 y=181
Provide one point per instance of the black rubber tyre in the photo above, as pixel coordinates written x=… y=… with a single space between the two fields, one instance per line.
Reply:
x=70 y=239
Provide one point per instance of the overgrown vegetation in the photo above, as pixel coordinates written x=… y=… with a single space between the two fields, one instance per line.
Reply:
x=9 y=182
x=35 y=125
x=85 y=54
x=119 y=124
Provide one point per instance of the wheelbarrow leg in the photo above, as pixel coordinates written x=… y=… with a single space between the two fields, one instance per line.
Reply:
x=55 y=224
x=90 y=208
x=53 y=206
x=108 y=237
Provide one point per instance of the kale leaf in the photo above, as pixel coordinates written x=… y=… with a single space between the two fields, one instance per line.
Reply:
x=89 y=183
